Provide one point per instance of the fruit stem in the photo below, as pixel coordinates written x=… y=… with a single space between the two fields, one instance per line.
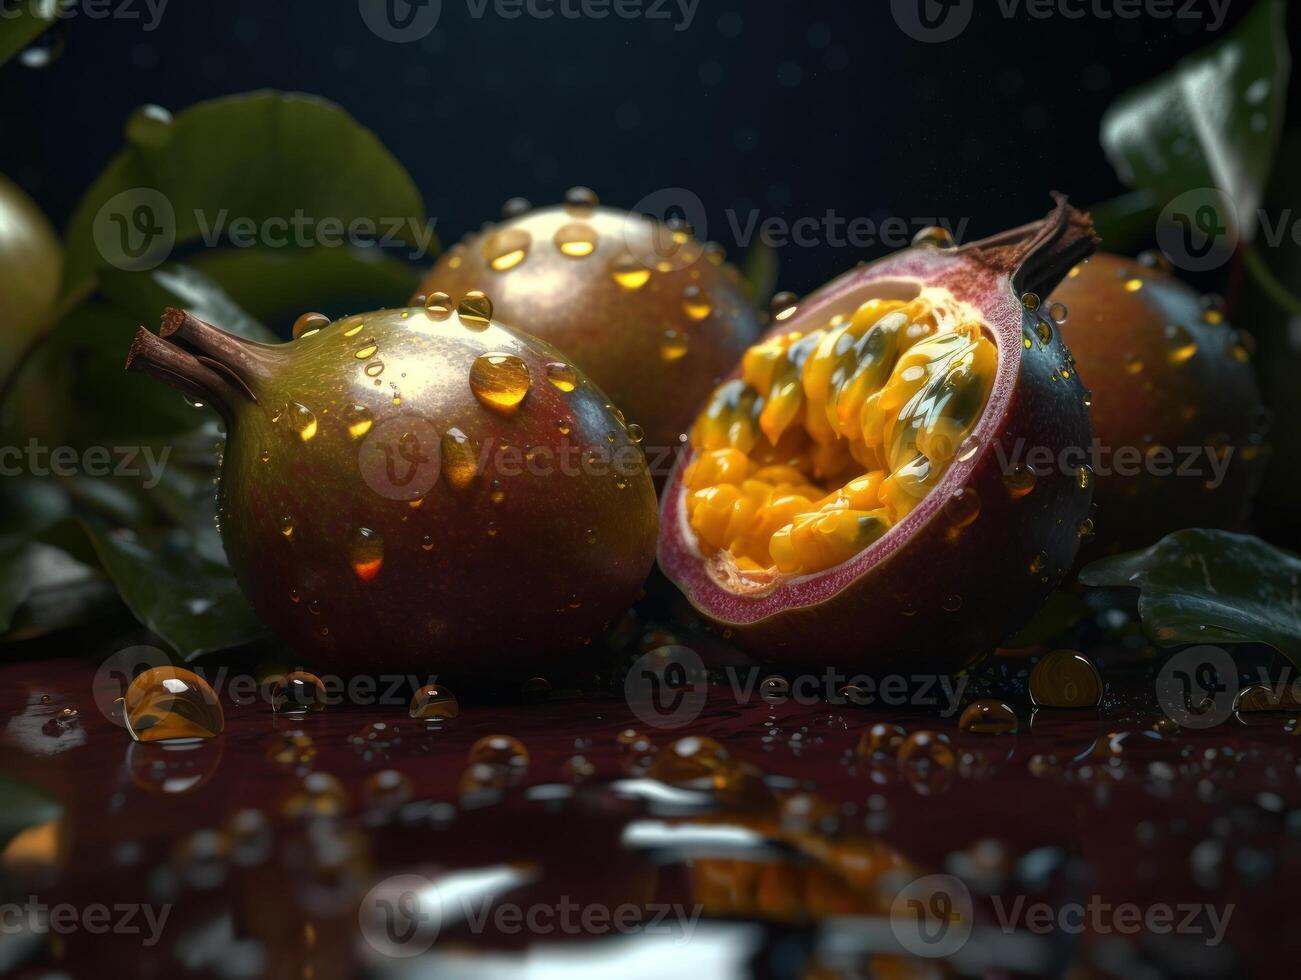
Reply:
x=1039 y=255
x=194 y=376
x=245 y=363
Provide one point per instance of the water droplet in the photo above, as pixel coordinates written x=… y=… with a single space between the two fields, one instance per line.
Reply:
x=460 y=458
x=1031 y=301
x=935 y=237
x=475 y=309
x=359 y=420
x=576 y=239
x=783 y=305
x=170 y=702
x=629 y=273
x=1084 y=476
x=265 y=456
x=387 y=788
x=988 y=716
x=433 y=702
x=1038 y=562
x=963 y=507
x=696 y=303
x=951 y=602
x=506 y=248
x=303 y=421
x=580 y=200
x=563 y=376
x=1058 y=312
x=308 y=324
x=1133 y=285
x=674 y=346
x=499 y=381
x=515 y=206
x=287 y=526
x=298 y=693
x=294 y=596
x=774 y=689
x=1133 y=363
x=1019 y=480
x=366 y=553
x=1065 y=679
x=1045 y=331
x=438 y=306
x=353 y=326
x=374 y=369
x=881 y=741
x=364 y=353
x=636 y=434
x=290 y=749
x=501 y=751
x=1183 y=346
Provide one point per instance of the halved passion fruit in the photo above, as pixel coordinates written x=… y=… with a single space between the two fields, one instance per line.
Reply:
x=896 y=475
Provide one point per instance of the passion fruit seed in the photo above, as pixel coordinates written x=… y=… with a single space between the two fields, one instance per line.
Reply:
x=828 y=439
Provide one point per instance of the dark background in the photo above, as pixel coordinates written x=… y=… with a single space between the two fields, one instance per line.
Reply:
x=787 y=108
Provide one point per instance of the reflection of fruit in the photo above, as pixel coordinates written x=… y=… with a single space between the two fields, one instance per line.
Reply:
x=1177 y=416
x=895 y=474
x=31 y=261
x=652 y=315
x=418 y=487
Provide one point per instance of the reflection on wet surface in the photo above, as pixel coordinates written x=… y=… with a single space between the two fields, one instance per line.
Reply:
x=769 y=837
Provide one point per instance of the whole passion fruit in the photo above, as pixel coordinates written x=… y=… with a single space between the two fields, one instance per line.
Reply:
x=418 y=487
x=895 y=476
x=652 y=315
x=1178 y=425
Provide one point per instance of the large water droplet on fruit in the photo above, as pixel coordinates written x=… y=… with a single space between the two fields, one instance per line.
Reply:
x=506 y=248
x=366 y=352
x=1019 y=480
x=170 y=702
x=499 y=381
x=438 y=305
x=576 y=239
x=563 y=376
x=303 y=421
x=359 y=421
x=366 y=553
x=475 y=309
x=308 y=324
x=629 y=273
x=963 y=507
x=460 y=458
x=581 y=200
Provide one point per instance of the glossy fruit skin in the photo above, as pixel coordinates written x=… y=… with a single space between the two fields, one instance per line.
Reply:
x=1127 y=343
x=618 y=335
x=527 y=560
x=31 y=260
x=930 y=596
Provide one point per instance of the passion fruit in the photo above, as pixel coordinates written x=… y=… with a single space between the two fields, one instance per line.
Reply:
x=653 y=316
x=895 y=476
x=1178 y=424
x=418 y=487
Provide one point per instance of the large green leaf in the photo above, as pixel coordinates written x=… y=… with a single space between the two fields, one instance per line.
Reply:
x=286 y=163
x=194 y=606
x=1213 y=122
x=277 y=286
x=24 y=22
x=1199 y=586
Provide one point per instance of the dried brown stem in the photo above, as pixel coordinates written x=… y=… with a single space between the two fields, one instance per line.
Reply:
x=245 y=363
x=194 y=376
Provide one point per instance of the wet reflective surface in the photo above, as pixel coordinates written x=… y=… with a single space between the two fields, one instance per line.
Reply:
x=566 y=833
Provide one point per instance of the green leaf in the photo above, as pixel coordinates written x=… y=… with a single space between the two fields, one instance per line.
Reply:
x=1199 y=586
x=25 y=22
x=144 y=296
x=1125 y=223
x=277 y=162
x=195 y=607
x=15 y=582
x=22 y=805
x=1213 y=122
x=277 y=286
